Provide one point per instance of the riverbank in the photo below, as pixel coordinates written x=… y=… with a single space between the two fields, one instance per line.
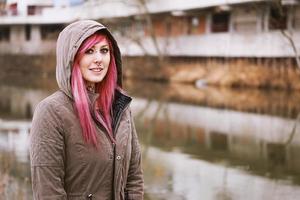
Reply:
x=249 y=73
x=238 y=72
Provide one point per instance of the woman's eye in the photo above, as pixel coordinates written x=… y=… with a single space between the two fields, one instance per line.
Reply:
x=89 y=51
x=104 y=50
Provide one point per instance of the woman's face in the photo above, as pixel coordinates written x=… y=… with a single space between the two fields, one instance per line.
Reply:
x=94 y=63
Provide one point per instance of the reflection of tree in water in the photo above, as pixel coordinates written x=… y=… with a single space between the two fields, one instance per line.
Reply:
x=163 y=186
x=14 y=177
x=28 y=111
x=278 y=156
x=148 y=125
x=277 y=151
x=293 y=132
x=271 y=160
x=150 y=128
x=223 y=193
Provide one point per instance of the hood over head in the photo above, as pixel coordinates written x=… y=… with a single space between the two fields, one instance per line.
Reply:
x=69 y=41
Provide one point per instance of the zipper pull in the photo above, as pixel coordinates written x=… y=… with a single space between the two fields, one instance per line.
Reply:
x=90 y=196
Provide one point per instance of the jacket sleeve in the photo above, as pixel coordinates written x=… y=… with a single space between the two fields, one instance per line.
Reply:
x=47 y=154
x=135 y=182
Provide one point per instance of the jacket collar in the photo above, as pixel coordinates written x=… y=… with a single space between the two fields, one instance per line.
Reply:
x=121 y=99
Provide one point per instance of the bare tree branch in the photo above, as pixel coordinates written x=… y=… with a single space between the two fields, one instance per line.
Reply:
x=142 y=6
x=293 y=132
x=149 y=22
x=292 y=43
x=285 y=33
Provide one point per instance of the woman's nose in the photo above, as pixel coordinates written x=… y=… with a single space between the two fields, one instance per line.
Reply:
x=98 y=56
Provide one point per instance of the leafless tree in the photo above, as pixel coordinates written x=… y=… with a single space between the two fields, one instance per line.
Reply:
x=287 y=33
x=145 y=15
x=288 y=36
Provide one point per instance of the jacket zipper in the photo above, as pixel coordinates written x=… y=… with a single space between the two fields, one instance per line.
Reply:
x=114 y=150
x=114 y=163
x=113 y=143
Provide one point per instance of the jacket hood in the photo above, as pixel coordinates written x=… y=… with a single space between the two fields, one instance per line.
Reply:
x=69 y=41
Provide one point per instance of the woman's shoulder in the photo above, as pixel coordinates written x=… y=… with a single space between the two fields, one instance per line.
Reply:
x=53 y=102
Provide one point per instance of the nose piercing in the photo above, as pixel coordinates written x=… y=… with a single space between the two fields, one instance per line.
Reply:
x=97 y=63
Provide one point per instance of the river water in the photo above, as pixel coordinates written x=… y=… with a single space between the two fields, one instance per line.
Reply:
x=198 y=143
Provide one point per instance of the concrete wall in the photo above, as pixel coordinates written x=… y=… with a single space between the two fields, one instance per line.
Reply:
x=269 y=44
x=18 y=43
x=246 y=20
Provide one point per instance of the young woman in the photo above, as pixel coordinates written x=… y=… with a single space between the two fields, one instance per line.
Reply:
x=83 y=140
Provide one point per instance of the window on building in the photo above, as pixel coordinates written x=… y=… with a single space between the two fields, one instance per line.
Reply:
x=50 y=32
x=13 y=9
x=278 y=18
x=244 y=19
x=4 y=33
x=196 y=25
x=31 y=10
x=28 y=32
x=220 y=22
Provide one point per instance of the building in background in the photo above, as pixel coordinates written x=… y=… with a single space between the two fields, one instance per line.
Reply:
x=192 y=28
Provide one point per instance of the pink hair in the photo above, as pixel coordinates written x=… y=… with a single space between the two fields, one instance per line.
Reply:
x=105 y=88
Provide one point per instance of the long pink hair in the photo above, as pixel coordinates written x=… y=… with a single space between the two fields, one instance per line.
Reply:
x=105 y=88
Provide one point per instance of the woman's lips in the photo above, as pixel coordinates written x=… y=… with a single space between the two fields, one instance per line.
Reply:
x=96 y=69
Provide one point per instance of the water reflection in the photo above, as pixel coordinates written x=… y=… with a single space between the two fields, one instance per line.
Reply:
x=183 y=177
x=19 y=102
x=14 y=159
x=208 y=143
x=213 y=135
x=14 y=137
x=269 y=102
